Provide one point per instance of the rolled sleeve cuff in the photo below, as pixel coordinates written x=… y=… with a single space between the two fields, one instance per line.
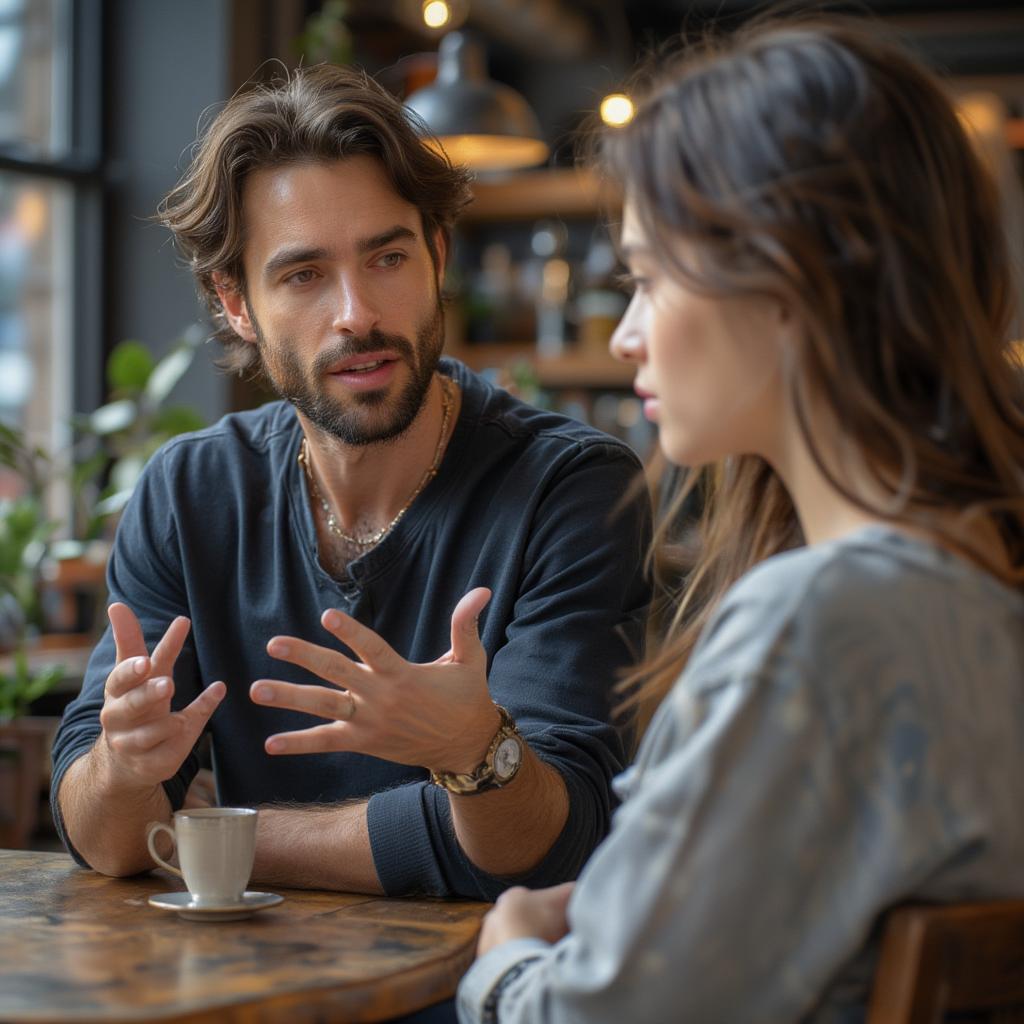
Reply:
x=409 y=854
x=415 y=850
x=474 y=1001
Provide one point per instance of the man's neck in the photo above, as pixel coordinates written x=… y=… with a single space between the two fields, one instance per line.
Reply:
x=366 y=486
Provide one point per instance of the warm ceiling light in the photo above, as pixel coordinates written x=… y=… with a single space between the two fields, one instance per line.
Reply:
x=436 y=13
x=477 y=121
x=982 y=113
x=617 y=110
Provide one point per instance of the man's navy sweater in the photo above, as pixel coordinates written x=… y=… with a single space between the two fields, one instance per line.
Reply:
x=220 y=530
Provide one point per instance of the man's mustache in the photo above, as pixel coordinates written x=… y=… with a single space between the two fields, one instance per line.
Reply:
x=375 y=341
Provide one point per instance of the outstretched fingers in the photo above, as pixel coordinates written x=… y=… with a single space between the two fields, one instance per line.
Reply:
x=126 y=676
x=338 y=705
x=197 y=714
x=331 y=666
x=334 y=736
x=133 y=664
x=369 y=647
x=128 y=639
x=166 y=652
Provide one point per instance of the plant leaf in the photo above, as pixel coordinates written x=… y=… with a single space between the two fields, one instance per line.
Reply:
x=177 y=419
x=113 y=417
x=168 y=372
x=40 y=683
x=125 y=472
x=129 y=368
x=113 y=503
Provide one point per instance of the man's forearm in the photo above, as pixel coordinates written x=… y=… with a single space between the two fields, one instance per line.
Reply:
x=106 y=822
x=316 y=848
x=508 y=831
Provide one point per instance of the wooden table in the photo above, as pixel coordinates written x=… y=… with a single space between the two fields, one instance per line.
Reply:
x=76 y=946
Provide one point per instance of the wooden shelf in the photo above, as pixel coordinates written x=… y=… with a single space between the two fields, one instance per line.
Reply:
x=570 y=192
x=572 y=370
x=561 y=192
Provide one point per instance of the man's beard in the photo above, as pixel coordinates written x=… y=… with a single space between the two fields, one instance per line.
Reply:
x=347 y=420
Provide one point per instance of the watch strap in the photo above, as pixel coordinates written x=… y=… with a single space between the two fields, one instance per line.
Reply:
x=483 y=777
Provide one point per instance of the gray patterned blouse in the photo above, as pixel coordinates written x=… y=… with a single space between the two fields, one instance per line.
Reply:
x=849 y=733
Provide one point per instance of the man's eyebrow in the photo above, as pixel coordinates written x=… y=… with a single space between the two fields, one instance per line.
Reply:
x=289 y=257
x=366 y=245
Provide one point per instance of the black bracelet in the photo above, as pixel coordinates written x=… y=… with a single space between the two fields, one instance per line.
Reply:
x=490 y=1010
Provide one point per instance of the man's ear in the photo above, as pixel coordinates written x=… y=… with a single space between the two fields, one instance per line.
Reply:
x=236 y=309
x=440 y=256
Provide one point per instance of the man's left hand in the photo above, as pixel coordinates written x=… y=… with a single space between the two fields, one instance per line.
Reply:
x=438 y=715
x=526 y=913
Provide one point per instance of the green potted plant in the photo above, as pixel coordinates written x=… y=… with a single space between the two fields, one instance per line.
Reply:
x=127 y=430
x=25 y=530
x=114 y=443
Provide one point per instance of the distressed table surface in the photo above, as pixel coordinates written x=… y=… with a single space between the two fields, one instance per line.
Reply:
x=76 y=946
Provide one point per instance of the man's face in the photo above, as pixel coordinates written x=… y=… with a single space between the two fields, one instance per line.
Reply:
x=341 y=296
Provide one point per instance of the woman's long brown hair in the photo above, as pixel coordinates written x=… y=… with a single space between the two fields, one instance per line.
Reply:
x=813 y=163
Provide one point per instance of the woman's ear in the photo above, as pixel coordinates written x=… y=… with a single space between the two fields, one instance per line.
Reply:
x=236 y=310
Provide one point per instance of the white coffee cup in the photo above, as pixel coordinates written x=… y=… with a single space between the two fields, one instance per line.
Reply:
x=216 y=848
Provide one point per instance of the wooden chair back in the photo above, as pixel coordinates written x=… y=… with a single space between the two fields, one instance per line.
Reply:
x=960 y=962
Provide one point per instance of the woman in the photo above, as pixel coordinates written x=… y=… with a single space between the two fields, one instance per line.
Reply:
x=820 y=311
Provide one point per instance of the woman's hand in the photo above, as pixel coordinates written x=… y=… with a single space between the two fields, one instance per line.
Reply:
x=524 y=913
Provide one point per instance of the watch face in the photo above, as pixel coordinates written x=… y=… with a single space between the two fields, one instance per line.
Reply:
x=507 y=758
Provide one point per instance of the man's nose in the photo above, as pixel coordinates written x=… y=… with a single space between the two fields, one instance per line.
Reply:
x=357 y=311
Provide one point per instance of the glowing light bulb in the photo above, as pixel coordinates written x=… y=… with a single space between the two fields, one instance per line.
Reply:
x=436 y=13
x=617 y=109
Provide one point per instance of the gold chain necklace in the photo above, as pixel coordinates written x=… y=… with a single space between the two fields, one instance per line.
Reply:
x=332 y=520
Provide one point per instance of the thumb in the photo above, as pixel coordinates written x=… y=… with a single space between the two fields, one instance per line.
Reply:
x=466 y=644
x=562 y=893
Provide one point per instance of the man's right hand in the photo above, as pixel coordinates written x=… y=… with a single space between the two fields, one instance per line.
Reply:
x=143 y=742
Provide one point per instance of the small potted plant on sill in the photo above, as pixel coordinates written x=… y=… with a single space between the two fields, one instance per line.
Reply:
x=39 y=571
x=25 y=531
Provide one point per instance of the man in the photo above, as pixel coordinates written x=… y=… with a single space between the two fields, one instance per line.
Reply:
x=305 y=559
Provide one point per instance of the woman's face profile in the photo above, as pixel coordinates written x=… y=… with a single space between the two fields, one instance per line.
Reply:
x=709 y=369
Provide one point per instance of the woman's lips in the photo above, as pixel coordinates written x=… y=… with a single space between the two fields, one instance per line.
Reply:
x=651 y=403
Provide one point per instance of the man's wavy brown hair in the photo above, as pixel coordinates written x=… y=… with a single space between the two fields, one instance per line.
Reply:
x=814 y=163
x=318 y=114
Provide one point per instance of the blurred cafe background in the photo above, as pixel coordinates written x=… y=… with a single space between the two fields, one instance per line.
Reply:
x=103 y=350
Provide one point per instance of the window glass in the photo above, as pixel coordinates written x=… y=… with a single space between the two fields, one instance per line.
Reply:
x=34 y=94
x=35 y=349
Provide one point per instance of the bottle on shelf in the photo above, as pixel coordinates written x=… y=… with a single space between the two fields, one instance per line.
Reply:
x=495 y=310
x=549 y=242
x=600 y=303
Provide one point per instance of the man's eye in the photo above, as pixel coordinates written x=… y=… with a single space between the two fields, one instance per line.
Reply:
x=391 y=259
x=300 y=277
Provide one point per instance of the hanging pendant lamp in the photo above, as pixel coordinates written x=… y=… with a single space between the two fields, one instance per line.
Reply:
x=478 y=122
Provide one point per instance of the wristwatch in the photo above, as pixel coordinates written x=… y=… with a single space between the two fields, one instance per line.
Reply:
x=497 y=769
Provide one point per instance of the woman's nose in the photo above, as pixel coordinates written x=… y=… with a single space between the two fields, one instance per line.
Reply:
x=627 y=342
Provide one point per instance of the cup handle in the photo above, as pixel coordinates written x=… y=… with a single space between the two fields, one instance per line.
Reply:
x=154 y=828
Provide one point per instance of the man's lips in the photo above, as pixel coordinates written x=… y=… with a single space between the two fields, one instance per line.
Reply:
x=361 y=362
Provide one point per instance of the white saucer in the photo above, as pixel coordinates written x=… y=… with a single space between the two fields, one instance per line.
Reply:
x=185 y=906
